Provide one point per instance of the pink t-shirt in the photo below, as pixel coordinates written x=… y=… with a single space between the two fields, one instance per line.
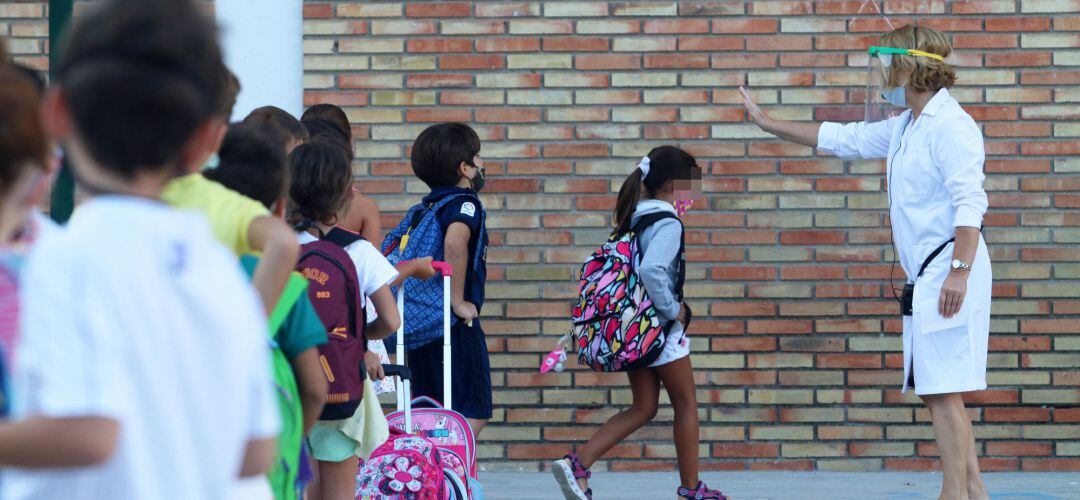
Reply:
x=9 y=313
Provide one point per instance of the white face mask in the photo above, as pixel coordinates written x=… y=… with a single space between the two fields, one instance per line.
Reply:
x=896 y=97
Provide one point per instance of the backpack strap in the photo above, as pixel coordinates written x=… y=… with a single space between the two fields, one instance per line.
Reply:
x=648 y=220
x=341 y=237
x=294 y=289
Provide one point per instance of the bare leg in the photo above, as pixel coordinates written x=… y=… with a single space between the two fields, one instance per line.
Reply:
x=678 y=378
x=952 y=430
x=477 y=426
x=975 y=487
x=337 y=480
x=645 y=387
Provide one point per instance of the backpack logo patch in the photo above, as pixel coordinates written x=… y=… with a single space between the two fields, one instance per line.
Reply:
x=316 y=275
x=468 y=208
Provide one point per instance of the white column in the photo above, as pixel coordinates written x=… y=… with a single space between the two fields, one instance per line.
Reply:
x=264 y=46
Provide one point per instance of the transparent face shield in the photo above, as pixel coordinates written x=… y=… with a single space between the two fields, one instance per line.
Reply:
x=885 y=97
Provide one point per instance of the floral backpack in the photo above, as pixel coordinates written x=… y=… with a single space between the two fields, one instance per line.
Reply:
x=615 y=324
x=405 y=467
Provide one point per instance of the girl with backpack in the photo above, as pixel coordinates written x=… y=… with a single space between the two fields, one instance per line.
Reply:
x=344 y=273
x=646 y=211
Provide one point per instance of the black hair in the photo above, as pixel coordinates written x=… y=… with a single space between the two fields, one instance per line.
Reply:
x=282 y=126
x=252 y=165
x=320 y=183
x=325 y=130
x=139 y=79
x=330 y=113
x=440 y=149
x=666 y=164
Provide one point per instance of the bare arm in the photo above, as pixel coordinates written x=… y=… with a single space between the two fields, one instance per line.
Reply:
x=277 y=243
x=258 y=457
x=456 y=246
x=44 y=442
x=805 y=133
x=388 y=320
x=417 y=268
x=362 y=216
x=311 y=383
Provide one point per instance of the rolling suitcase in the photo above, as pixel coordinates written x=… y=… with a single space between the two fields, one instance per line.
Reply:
x=437 y=423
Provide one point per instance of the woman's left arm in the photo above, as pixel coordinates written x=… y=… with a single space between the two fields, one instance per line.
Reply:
x=958 y=153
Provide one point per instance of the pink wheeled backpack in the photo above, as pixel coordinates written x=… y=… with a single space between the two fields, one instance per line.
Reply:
x=431 y=452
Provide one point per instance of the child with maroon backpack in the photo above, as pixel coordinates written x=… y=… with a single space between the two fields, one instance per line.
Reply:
x=344 y=271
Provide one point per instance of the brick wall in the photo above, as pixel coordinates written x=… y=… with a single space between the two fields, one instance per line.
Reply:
x=798 y=346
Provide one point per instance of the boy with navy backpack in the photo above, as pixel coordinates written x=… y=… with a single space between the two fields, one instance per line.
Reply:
x=449 y=225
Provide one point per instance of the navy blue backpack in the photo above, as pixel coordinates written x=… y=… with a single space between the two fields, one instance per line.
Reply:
x=419 y=235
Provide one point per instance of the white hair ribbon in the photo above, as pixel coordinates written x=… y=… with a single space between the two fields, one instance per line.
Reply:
x=644 y=166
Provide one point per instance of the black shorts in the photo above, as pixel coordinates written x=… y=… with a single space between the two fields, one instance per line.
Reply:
x=471 y=371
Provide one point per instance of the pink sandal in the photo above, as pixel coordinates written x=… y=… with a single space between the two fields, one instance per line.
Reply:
x=567 y=471
x=701 y=492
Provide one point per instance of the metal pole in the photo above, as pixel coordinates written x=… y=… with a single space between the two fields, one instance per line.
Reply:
x=62 y=200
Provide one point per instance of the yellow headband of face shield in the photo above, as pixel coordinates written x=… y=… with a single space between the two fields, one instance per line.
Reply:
x=885 y=54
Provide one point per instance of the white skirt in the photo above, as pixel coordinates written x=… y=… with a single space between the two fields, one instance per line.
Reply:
x=948 y=355
x=676 y=346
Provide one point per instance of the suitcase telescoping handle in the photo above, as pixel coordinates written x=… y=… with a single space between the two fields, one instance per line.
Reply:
x=403 y=395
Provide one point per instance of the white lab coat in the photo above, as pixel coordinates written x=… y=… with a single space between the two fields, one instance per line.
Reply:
x=935 y=175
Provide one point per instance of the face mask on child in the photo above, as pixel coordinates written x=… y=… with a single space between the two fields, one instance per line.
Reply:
x=682 y=205
x=478 y=180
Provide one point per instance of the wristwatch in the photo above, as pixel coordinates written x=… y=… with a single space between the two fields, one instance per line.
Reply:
x=958 y=264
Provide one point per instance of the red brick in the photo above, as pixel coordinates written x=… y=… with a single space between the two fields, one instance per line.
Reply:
x=1017 y=24
x=576 y=44
x=318 y=11
x=440 y=9
x=472 y=62
x=1017 y=448
x=751 y=26
x=656 y=61
x=676 y=26
x=438 y=115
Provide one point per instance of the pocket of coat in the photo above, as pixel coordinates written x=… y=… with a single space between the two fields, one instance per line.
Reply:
x=931 y=320
x=920 y=179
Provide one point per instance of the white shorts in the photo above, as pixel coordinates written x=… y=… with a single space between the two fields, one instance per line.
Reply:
x=676 y=346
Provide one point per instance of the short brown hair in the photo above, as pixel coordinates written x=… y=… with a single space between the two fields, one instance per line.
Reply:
x=23 y=144
x=926 y=74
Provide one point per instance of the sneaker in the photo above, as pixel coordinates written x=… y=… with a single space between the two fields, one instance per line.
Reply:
x=701 y=492
x=567 y=471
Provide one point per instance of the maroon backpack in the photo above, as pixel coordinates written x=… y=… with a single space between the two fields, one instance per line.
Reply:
x=335 y=293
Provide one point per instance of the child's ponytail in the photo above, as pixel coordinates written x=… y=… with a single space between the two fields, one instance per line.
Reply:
x=629 y=195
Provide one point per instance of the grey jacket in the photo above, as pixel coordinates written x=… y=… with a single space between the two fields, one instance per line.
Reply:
x=659 y=245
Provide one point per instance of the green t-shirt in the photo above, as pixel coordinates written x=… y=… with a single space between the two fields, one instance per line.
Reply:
x=302 y=328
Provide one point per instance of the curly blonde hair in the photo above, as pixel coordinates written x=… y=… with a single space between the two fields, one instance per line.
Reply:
x=926 y=74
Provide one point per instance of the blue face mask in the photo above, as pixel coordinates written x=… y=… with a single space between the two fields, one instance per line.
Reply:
x=896 y=97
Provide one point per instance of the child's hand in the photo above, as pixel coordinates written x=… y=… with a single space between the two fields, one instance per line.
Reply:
x=684 y=313
x=422 y=269
x=374 y=366
x=466 y=311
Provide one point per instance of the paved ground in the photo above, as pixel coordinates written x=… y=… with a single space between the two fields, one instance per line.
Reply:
x=786 y=485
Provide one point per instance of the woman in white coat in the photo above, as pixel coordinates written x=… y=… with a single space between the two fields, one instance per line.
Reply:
x=934 y=156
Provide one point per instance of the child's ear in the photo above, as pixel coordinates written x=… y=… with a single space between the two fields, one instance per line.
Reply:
x=278 y=208
x=463 y=170
x=55 y=114
x=202 y=143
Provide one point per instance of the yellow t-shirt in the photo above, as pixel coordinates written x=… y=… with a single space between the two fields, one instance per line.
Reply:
x=230 y=213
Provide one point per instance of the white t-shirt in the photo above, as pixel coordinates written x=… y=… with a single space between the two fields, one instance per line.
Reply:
x=135 y=312
x=373 y=271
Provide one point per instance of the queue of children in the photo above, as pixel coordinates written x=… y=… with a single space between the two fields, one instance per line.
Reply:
x=145 y=362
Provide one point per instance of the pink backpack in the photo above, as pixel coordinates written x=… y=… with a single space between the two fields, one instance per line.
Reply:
x=451 y=434
x=405 y=467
